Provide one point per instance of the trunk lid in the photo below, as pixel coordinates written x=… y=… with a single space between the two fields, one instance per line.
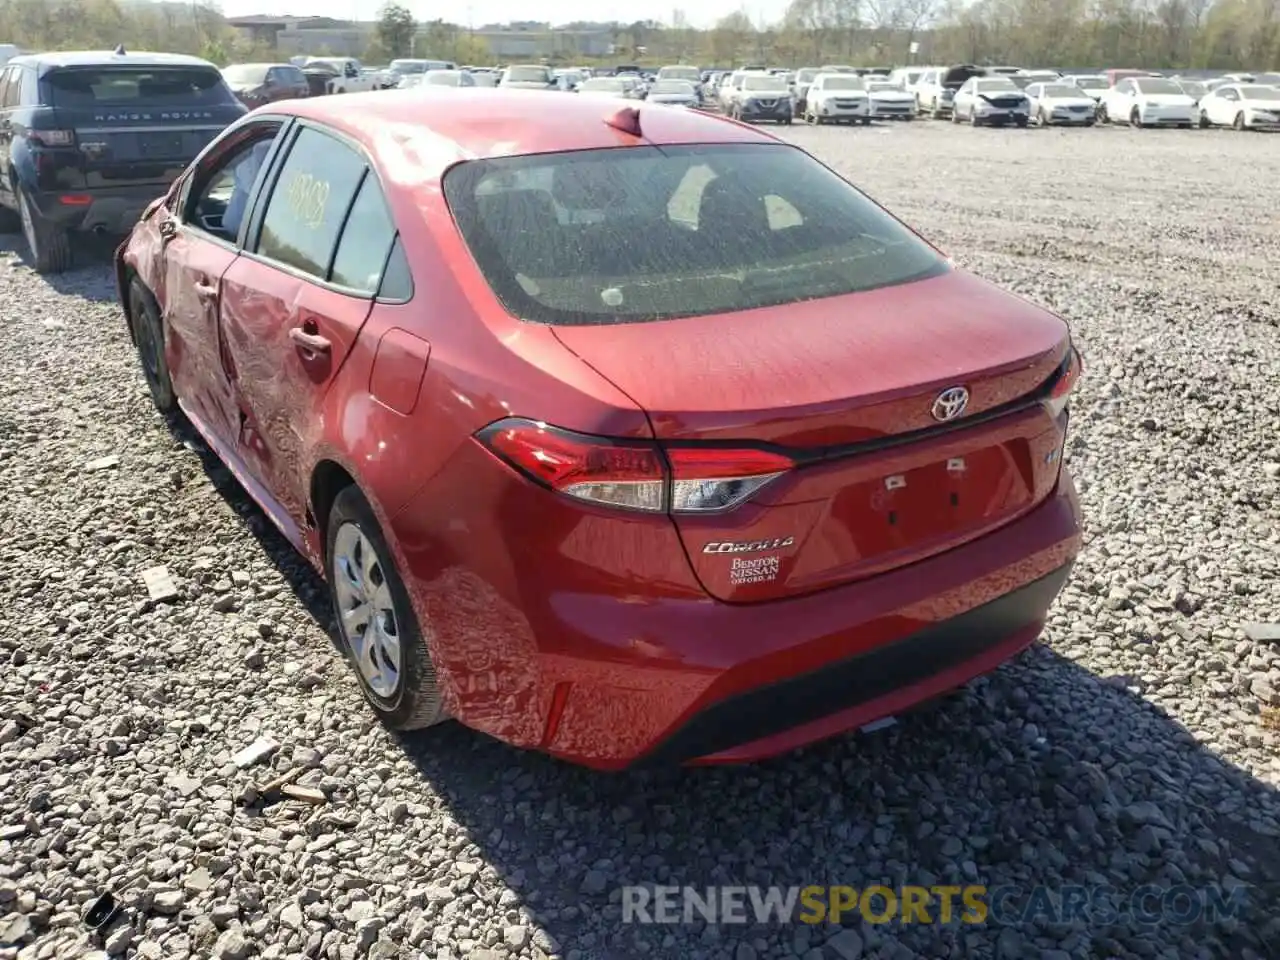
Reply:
x=847 y=387
x=139 y=124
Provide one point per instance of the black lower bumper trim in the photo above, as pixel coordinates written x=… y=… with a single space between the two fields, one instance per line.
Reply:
x=781 y=706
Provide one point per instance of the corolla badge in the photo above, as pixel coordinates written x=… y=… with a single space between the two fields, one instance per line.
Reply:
x=950 y=404
x=748 y=546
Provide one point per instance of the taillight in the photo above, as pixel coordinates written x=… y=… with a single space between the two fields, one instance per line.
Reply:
x=633 y=474
x=52 y=138
x=1064 y=382
x=706 y=479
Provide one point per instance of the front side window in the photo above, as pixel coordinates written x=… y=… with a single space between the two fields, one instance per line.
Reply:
x=635 y=234
x=221 y=196
x=309 y=202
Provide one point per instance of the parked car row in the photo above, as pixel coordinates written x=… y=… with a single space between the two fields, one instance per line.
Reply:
x=995 y=95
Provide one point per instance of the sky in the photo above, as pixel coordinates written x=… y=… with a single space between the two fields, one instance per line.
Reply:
x=702 y=14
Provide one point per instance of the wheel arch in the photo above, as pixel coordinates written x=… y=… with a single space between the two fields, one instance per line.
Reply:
x=328 y=479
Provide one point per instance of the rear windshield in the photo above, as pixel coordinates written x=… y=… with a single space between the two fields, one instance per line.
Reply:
x=679 y=73
x=681 y=87
x=641 y=233
x=86 y=86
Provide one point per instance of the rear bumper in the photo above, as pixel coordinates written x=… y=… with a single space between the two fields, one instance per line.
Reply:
x=857 y=690
x=564 y=630
x=113 y=210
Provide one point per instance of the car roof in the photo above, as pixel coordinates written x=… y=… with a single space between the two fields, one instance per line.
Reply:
x=96 y=58
x=418 y=133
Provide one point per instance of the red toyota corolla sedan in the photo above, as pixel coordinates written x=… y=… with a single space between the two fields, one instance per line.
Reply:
x=631 y=435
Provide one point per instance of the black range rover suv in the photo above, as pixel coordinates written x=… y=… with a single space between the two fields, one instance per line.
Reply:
x=87 y=140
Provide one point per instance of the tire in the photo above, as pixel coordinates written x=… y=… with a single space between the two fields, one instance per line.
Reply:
x=955 y=116
x=147 y=331
x=1135 y=119
x=1204 y=120
x=405 y=694
x=1101 y=116
x=1238 y=123
x=1041 y=119
x=1020 y=123
x=973 y=118
x=936 y=113
x=49 y=244
x=10 y=221
x=866 y=121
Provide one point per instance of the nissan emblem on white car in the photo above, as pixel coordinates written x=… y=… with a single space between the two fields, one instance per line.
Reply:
x=950 y=404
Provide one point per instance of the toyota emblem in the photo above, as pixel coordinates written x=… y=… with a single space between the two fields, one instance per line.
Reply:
x=950 y=404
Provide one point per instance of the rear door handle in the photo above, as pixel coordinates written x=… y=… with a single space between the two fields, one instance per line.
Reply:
x=206 y=291
x=308 y=341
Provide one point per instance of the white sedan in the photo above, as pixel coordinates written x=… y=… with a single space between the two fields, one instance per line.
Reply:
x=1060 y=103
x=889 y=101
x=1147 y=102
x=1245 y=106
x=990 y=100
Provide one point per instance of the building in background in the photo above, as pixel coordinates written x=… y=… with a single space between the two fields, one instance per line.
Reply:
x=524 y=40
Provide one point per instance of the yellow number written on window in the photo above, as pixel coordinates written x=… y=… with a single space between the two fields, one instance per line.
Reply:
x=307 y=197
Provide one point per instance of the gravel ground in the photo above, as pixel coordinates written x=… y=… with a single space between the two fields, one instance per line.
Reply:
x=1134 y=746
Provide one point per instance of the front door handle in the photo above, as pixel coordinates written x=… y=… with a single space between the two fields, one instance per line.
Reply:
x=206 y=291
x=308 y=341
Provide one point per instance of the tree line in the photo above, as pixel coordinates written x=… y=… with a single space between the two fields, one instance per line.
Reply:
x=1203 y=34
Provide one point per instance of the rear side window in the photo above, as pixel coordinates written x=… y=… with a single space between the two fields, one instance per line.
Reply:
x=634 y=234
x=309 y=204
x=90 y=86
x=366 y=240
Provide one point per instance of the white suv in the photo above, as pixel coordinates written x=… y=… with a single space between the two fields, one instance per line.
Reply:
x=837 y=98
